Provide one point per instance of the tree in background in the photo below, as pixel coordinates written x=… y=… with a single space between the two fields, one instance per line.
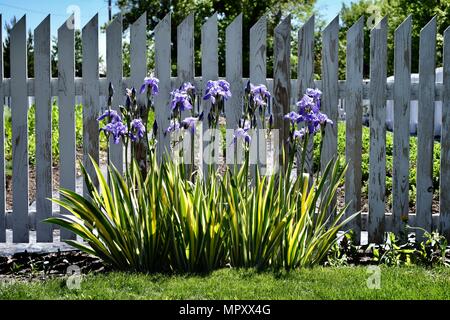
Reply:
x=397 y=11
x=227 y=10
x=7 y=47
x=78 y=55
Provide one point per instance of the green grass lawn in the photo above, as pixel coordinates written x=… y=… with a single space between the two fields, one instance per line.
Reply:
x=316 y=283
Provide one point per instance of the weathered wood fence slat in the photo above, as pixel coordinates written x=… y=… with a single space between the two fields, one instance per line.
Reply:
x=353 y=138
x=19 y=119
x=402 y=89
x=285 y=92
x=425 y=125
x=43 y=130
x=377 y=161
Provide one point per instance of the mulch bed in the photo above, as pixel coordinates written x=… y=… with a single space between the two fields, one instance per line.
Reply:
x=39 y=266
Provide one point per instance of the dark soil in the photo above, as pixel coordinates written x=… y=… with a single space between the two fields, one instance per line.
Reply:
x=43 y=265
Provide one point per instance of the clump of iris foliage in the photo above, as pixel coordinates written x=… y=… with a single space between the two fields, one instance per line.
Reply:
x=175 y=220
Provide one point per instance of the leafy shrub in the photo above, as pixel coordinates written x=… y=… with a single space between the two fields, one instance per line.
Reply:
x=125 y=224
x=173 y=220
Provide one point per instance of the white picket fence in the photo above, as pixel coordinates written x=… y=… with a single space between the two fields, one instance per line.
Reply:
x=285 y=92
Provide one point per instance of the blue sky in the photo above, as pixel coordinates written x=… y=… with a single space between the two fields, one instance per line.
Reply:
x=37 y=10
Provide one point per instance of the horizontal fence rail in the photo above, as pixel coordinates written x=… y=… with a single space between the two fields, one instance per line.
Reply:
x=285 y=91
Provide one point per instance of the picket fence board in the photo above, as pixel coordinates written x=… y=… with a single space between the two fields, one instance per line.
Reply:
x=19 y=119
x=114 y=73
x=281 y=86
x=425 y=125
x=305 y=79
x=66 y=107
x=402 y=89
x=233 y=71
x=2 y=148
x=138 y=71
x=43 y=130
x=444 y=195
x=210 y=71
x=91 y=110
x=329 y=103
x=377 y=161
x=163 y=72
x=353 y=113
x=258 y=58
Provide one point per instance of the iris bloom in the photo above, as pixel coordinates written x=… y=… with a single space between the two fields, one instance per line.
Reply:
x=292 y=116
x=216 y=90
x=116 y=129
x=309 y=113
x=112 y=115
x=137 y=129
x=151 y=84
x=241 y=133
x=189 y=123
x=180 y=99
x=174 y=126
x=259 y=94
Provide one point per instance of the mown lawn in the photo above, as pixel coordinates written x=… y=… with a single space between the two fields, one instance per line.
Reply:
x=316 y=283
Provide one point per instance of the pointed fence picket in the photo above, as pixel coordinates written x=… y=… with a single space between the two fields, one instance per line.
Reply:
x=377 y=161
x=425 y=125
x=353 y=90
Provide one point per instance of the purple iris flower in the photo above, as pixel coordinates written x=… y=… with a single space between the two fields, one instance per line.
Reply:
x=174 y=126
x=137 y=129
x=216 y=90
x=241 y=133
x=305 y=104
x=293 y=117
x=188 y=87
x=189 y=123
x=112 y=115
x=323 y=119
x=116 y=129
x=150 y=83
x=259 y=94
x=299 y=134
x=180 y=98
x=314 y=93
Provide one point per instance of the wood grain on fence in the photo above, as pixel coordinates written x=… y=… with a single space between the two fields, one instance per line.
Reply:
x=353 y=115
x=329 y=103
x=19 y=119
x=281 y=87
x=138 y=70
x=305 y=79
x=377 y=120
x=114 y=73
x=402 y=92
x=90 y=71
x=210 y=71
x=233 y=71
x=425 y=127
x=42 y=74
x=258 y=48
x=163 y=73
x=444 y=178
x=66 y=108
